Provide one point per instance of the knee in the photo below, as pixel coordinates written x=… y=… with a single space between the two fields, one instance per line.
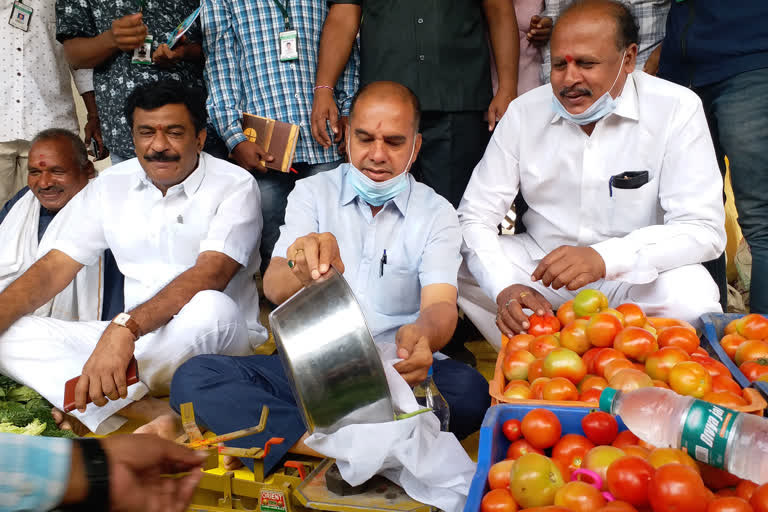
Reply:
x=189 y=379
x=690 y=292
x=211 y=306
x=467 y=394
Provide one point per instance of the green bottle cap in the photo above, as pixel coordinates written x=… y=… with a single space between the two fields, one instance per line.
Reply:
x=606 y=399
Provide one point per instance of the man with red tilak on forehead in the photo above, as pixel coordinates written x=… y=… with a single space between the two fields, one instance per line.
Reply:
x=620 y=174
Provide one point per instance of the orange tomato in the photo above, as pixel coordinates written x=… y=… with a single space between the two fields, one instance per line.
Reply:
x=661 y=456
x=565 y=313
x=541 y=428
x=559 y=389
x=636 y=343
x=574 y=336
x=579 y=497
x=759 y=499
x=591 y=396
x=592 y=382
x=745 y=489
x=614 y=366
x=660 y=384
x=602 y=328
x=636 y=451
x=540 y=346
x=630 y=379
x=676 y=336
x=498 y=475
x=571 y=450
x=617 y=506
x=690 y=378
x=515 y=364
x=537 y=387
x=753 y=327
x=625 y=438
x=732 y=504
x=604 y=357
x=753 y=370
x=751 y=350
x=724 y=383
x=519 y=342
x=725 y=398
x=518 y=390
x=535 y=369
x=498 y=500
x=731 y=343
x=562 y=362
x=589 y=358
x=633 y=315
x=519 y=448
x=731 y=327
x=659 y=363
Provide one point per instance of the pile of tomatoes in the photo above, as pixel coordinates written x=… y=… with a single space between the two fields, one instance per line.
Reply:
x=745 y=340
x=543 y=472
x=599 y=347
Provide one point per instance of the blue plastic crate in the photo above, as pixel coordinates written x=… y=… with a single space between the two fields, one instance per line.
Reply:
x=493 y=444
x=714 y=326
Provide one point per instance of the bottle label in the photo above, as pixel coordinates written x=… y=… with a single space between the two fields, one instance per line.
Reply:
x=706 y=432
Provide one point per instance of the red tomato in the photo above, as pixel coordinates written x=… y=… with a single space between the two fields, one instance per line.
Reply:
x=658 y=364
x=625 y=438
x=617 y=506
x=731 y=343
x=714 y=367
x=535 y=370
x=677 y=336
x=600 y=427
x=541 y=428
x=565 y=313
x=571 y=450
x=498 y=475
x=630 y=379
x=559 y=389
x=511 y=429
x=519 y=448
x=498 y=500
x=604 y=357
x=753 y=327
x=602 y=328
x=591 y=396
x=589 y=359
x=732 y=504
x=753 y=370
x=574 y=336
x=579 y=497
x=518 y=342
x=636 y=343
x=515 y=364
x=540 y=325
x=690 y=378
x=614 y=366
x=724 y=383
x=725 y=493
x=759 y=499
x=716 y=478
x=629 y=478
x=731 y=327
x=676 y=488
x=745 y=489
x=725 y=398
x=540 y=346
x=537 y=387
x=562 y=362
x=592 y=382
x=751 y=350
x=633 y=315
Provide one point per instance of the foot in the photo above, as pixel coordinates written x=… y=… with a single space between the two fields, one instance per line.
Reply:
x=67 y=422
x=232 y=463
x=168 y=426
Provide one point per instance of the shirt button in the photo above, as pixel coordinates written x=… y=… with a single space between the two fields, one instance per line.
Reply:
x=293 y=66
x=421 y=57
x=18 y=101
x=420 y=20
x=18 y=74
x=296 y=95
x=18 y=49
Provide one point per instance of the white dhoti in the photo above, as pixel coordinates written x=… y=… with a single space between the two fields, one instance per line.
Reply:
x=44 y=353
x=685 y=292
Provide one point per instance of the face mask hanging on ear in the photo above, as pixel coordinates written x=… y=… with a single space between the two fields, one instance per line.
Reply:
x=376 y=193
x=604 y=105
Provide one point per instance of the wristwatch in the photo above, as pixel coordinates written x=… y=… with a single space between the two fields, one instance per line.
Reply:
x=97 y=473
x=125 y=320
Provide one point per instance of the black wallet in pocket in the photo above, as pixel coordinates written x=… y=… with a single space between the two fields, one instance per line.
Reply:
x=627 y=180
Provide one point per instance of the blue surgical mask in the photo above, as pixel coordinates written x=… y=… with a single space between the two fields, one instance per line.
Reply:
x=376 y=193
x=604 y=105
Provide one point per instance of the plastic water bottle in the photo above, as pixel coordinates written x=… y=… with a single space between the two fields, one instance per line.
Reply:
x=427 y=395
x=728 y=439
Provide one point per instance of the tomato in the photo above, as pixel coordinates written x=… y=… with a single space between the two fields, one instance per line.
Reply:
x=619 y=316
x=600 y=427
x=633 y=315
x=676 y=336
x=537 y=387
x=544 y=324
x=725 y=398
x=559 y=389
x=579 y=497
x=591 y=396
x=732 y=504
x=498 y=500
x=676 y=488
x=731 y=343
x=716 y=478
x=605 y=356
x=535 y=370
x=630 y=379
x=724 y=383
x=517 y=390
x=636 y=451
x=571 y=450
x=519 y=342
x=751 y=350
x=727 y=492
x=753 y=370
x=574 y=336
x=511 y=430
x=519 y=448
x=589 y=359
x=565 y=313
x=660 y=384
x=636 y=343
x=614 y=366
x=714 y=368
x=540 y=346
x=588 y=302
x=759 y=499
x=498 y=475
x=745 y=489
x=599 y=458
x=753 y=327
x=602 y=328
x=515 y=364
x=658 y=364
x=562 y=362
x=628 y=480
x=617 y=506
x=534 y=480
x=661 y=456
x=625 y=438
x=690 y=378
x=592 y=382
x=731 y=327
x=541 y=428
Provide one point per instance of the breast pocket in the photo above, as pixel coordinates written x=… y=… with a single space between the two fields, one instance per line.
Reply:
x=634 y=199
x=399 y=291
x=184 y=243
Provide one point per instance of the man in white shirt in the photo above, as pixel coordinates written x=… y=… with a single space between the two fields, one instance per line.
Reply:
x=620 y=174
x=183 y=227
x=36 y=84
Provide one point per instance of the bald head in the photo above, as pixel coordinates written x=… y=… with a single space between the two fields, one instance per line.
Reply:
x=610 y=11
x=388 y=92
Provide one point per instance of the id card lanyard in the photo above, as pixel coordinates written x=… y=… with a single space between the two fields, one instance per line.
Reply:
x=288 y=40
x=143 y=54
x=21 y=15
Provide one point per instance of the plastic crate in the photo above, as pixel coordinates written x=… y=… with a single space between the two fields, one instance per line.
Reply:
x=493 y=444
x=714 y=326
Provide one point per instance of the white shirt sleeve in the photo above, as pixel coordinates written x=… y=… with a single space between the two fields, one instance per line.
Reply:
x=691 y=196
x=83 y=80
x=81 y=235
x=488 y=197
x=301 y=217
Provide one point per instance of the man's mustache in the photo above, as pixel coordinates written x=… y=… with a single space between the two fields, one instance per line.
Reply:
x=579 y=90
x=161 y=157
x=50 y=189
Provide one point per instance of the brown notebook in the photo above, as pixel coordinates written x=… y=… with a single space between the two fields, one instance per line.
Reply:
x=277 y=137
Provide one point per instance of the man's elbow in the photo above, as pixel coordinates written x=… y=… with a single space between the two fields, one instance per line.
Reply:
x=343 y=20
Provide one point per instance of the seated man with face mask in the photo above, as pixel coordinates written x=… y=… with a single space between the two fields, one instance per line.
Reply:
x=397 y=243
x=621 y=179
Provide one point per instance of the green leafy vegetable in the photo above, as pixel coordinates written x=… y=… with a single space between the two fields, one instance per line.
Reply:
x=24 y=411
x=32 y=429
x=21 y=394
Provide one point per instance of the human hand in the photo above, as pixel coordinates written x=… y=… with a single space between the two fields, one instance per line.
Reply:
x=342 y=148
x=249 y=156
x=539 y=31
x=569 y=266
x=414 y=350
x=312 y=255
x=136 y=462
x=165 y=57
x=93 y=131
x=510 y=318
x=104 y=373
x=652 y=64
x=128 y=32
x=324 y=110
x=498 y=106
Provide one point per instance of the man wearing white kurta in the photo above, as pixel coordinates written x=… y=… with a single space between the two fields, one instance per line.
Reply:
x=620 y=176
x=183 y=227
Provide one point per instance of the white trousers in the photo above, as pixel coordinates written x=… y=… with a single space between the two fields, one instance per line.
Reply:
x=44 y=353
x=13 y=168
x=685 y=292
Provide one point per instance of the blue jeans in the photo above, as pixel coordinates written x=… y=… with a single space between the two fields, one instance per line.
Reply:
x=737 y=113
x=275 y=187
x=227 y=393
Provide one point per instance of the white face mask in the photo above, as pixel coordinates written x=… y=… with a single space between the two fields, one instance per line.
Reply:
x=376 y=193
x=603 y=106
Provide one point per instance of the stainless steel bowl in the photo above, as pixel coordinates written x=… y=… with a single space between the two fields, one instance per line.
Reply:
x=330 y=358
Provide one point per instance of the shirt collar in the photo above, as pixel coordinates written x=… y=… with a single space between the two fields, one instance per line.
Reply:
x=627 y=104
x=348 y=193
x=189 y=185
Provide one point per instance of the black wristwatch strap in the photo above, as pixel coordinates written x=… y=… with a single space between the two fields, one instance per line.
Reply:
x=97 y=472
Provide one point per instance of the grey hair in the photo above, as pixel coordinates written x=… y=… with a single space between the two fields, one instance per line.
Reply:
x=79 y=152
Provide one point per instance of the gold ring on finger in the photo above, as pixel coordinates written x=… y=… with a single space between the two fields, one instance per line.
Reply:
x=523 y=294
x=510 y=301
